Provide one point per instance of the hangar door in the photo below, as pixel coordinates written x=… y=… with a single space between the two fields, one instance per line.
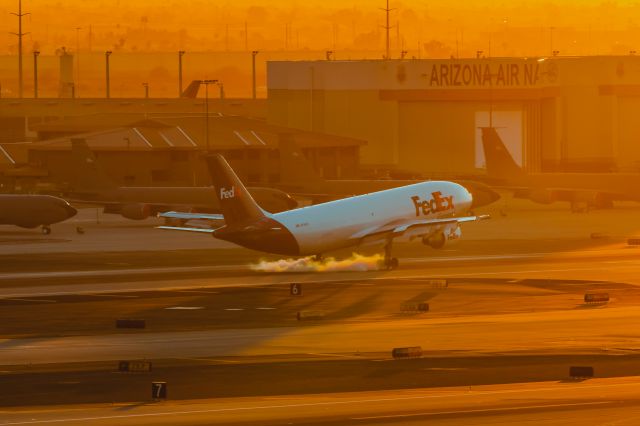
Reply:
x=436 y=136
x=444 y=137
x=628 y=148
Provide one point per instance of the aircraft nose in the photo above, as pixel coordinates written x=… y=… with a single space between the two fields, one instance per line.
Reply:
x=71 y=211
x=481 y=193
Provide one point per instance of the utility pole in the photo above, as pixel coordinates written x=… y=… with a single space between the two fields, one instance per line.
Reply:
x=20 y=34
x=146 y=90
x=77 y=79
x=180 y=54
x=253 y=71
x=387 y=28
x=108 y=83
x=36 y=53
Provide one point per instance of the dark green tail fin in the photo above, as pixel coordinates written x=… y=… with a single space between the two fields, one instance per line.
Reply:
x=500 y=164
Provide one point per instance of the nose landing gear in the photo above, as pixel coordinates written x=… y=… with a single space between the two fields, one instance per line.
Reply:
x=46 y=230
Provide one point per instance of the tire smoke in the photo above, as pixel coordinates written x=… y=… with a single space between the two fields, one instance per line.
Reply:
x=356 y=262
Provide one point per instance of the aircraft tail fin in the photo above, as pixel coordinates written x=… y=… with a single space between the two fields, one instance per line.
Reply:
x=500 y=164
x=192 y=90
x=236 y=202
x=294 y=165
x=88 y=175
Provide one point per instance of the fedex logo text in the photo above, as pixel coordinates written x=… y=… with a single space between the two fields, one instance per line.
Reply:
x=436 y=204
x=227 y=193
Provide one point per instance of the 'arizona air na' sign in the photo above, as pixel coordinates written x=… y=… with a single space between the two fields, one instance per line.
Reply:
x=436 y=204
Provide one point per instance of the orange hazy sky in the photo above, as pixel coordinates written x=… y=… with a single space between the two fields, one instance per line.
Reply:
x=218 y=35
x=434 y=28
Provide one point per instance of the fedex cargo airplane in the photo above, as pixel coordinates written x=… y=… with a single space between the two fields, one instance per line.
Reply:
x=431 y=211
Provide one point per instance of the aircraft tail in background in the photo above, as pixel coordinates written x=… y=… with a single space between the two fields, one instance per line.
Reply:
x=500 y=164
x=88 y=173
x=191 y=91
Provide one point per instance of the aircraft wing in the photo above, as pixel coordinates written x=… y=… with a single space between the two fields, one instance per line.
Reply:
x=417 y=227
x=190 y=216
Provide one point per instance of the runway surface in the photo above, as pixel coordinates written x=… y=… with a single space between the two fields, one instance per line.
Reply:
x=594 y=402
x=514 y=293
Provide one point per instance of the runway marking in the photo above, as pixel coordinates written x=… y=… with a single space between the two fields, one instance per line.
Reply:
x=485 y=410
x=234 y=309
x=117 y=296
x=321 y=404
x=185 y=308
x=30 y=300
x=266 y=309
x=197 y=291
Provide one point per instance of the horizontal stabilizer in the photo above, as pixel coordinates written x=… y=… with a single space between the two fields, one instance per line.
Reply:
x=190 y=216
x=184 y=228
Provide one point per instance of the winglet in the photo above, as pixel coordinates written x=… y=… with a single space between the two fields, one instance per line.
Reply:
x=88 y=175
x=236 y=203
x=295 y=166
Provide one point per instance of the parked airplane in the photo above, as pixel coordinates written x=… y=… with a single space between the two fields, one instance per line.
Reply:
x=427 y=210
x=299 y=178
x=581 y=190
x=30 y=211
x=93 y=186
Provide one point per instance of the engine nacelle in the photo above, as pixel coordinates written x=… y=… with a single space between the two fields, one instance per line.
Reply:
x=135 y=211
x=542 y=196
x=449 y=234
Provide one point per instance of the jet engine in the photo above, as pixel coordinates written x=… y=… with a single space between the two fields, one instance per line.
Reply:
x=448 y=234
x=542 y=196
x=135 y=211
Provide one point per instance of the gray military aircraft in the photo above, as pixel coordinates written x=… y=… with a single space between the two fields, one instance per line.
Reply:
x=581 y=190
x=30 y=211
x=299 y=178
x=93 y=186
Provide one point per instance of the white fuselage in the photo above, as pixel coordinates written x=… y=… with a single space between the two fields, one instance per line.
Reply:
x=334 y=225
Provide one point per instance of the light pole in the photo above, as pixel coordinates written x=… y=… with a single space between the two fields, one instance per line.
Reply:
x=221 y=87
x=36 y=53
x=106 y=57
x=206 y=109
x=253 y=71
x=146 y=90
x=180 y=54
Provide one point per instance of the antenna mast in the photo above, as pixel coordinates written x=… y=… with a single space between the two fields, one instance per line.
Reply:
x=387 y=28
x=20 y=34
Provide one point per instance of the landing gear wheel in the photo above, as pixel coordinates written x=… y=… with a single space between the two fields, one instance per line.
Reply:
x=389 y=262
x=46 y=230
x=392 y=263
x=318 y=258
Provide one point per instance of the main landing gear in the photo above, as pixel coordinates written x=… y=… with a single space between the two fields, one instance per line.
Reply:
x=46 y=230
x=389 y=262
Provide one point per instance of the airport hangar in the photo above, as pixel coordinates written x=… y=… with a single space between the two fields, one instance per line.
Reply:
x=165 y=149
x=555 y=113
